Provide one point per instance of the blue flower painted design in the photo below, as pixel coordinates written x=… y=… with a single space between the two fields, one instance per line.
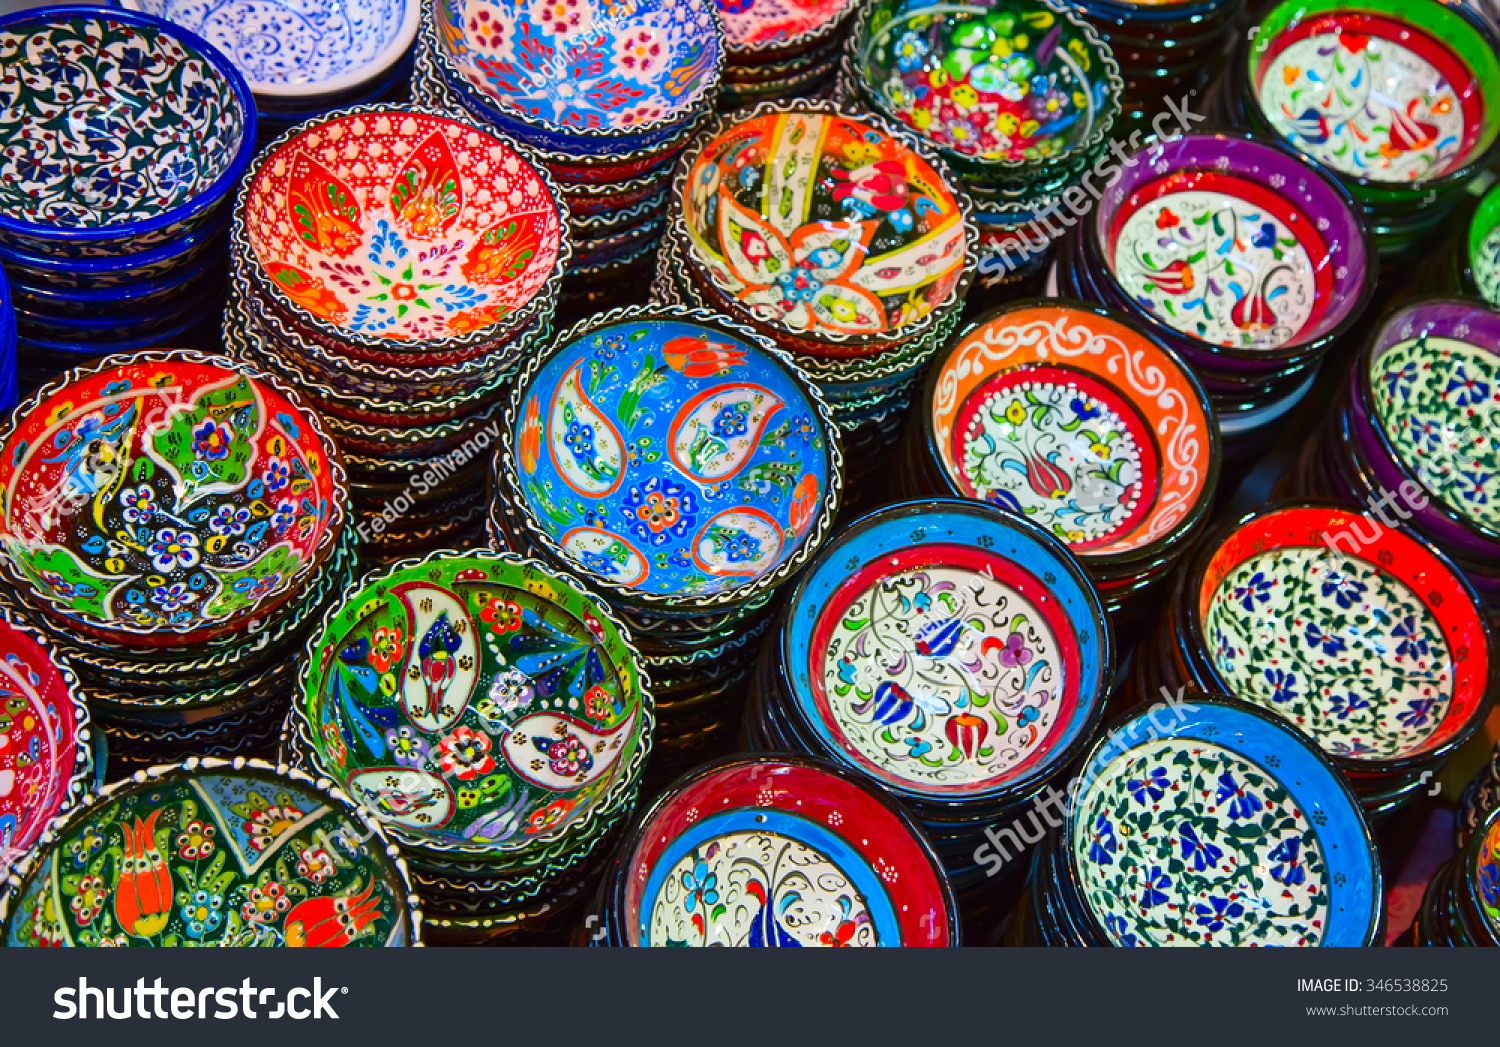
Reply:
x=1196 y=851
x=1283 y=684
x=1104 y=845
x=1151 y=788
x=1257 y=589
x=1216 y=912
x=1242 y=802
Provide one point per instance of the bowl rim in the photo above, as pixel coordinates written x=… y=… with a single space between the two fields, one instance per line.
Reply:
x=194 y=208
x=791 y=46
x=94 y=268
x=1484 y=222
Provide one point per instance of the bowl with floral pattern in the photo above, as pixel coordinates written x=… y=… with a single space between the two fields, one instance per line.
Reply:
x=1480 y=247
x=1239 y=252
x=401 y=229
x=828 y=230
x=1364 y=637
x=1070 y=415
x=764 y=31
x=483 y=707
x=124 y=271
x=1214 y=823
x=299 y=52
x=675 y=458
x=1481 y=875
x=1003 y=90
x=166 y=497
x=125 y=132
x=212 y=853
x=779 y=851
x=952 y=652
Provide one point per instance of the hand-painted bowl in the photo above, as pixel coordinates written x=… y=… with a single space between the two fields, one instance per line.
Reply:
x=676 y=458
x=779 y=852
x=1239 y=251
x=1364 y=637
x=1481 y=250
x=1208 y=822
x=289 y=50
x=766 y=29
x=826 y=227
x=1396 y=95
x=166 y=497
x=1071 y=416
x=1481 y=869
x=121 y=302
x=212 y=853
x=123 y=131
x=109 y=274
x=947 y=650
x=480 y=705
x=400 y=229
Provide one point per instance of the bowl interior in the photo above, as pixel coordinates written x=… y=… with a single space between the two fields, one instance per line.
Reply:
x=1483 y=245
x=1484 y=873
x=1233 y=243
x=1352 y=631
x=110 y=123
x=757 y=25
x=1392 y=91
x=475 y=702
x=670 y=458
x=1075 y=421
x=165 y=495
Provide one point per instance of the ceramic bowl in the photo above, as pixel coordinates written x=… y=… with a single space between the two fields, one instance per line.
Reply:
x=112 y=274
x=1211 y=823
x=758 y=31
x=123 y=303
x=823 y=227
x=296 y=52
x=675 y=458
x=400 y=229
x=8 y=387
x=166 y=497
x=1481 y=865
x=134 y=149
x=1480 y=248
x=777 y=852
x=176 y=856
x=1070 y=415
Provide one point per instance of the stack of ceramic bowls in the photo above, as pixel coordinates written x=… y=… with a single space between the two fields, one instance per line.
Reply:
x=1017 y=96
x=1471 y=265
x=687 y=469
x=948 y=652
x=174 y=523
x=303 y=60
x=831 y=234
x=1209 y=823
x=1412 y=434
x=1240 y=254
x=1480 y=798
x=47 y=761
x=9 y=387
x=395 y=265
x=1395 y=96
x=608 y=120
x=1462 y=904
x=775 y=852
x=780 y=50
x=1364 y=637
x=125 y=136
x=491 y=715
x=212 y=853
x=1070 y=415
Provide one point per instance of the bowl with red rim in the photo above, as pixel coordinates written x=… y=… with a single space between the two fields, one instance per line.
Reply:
x=401 y=230
x=1238 y=252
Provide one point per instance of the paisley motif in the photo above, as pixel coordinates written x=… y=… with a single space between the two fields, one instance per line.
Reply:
x=404 y=796
x=741 y=541
x=606 y=555
x=715 y=433
x=591 y=457
x=442 y=660
x=562 y=752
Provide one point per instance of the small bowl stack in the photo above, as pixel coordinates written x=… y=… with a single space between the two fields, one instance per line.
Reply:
x=1462 y=904
x=1364 y=637
x=174 y=523
x=1207 y=824
x=1070 y=415
x=303 y=60
x=687 y=469
x=780 y=50
x=117 y=181
x=608 y=121
x=9 y=388
x=492 y=716
x=1396 y=97
x=944 y=651
x=1472 y=263
x=395 y=265
x=1240 y=254
x=1018 y=97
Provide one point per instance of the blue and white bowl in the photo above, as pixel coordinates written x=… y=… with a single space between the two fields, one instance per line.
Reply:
x=114 y=273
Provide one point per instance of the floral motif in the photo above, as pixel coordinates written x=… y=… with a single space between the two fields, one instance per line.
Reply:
x=266 y=825
x=196 y=841
x=465 y=754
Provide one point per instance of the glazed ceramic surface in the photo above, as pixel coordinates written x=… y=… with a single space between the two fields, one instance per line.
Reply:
x=220 y=857
x=585 y=66
x=823 y=225
x=763 y=24
x=166 y=494
x=672 y=458
x=1187 y=832
x=945 y=649
x=477 y=702
x=780 y=854
x=400 y=225
x=1076 y=421
x=109 y=123
x=1484 y=248
x=1371 y=654
x=1487 y=877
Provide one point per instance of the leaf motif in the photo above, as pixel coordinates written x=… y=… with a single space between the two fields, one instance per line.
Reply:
x=426 y=194
x=323 y=210
x=502 y=252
